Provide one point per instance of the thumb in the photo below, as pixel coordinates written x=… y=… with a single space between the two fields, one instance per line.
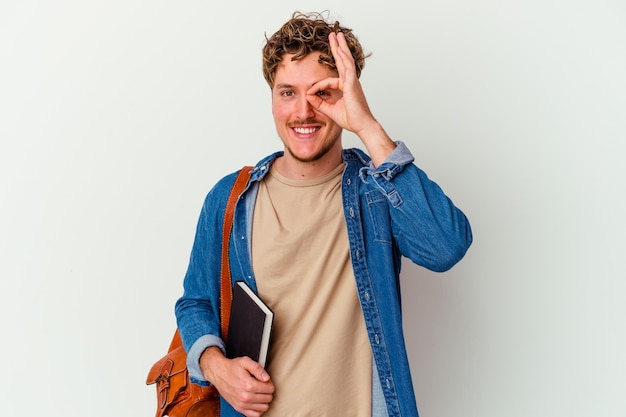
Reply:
x=256 y=370
x=315 y=101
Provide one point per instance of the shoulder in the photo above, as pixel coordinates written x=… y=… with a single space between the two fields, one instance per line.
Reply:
x=220 y=191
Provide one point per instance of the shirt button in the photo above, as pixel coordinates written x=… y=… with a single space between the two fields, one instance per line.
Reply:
x=388 y=383
x=351 y=212
x=349 y=181
x=376 y=339
x=367 y=296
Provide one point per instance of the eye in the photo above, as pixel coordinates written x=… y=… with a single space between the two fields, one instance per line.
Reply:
x=322 y=94
x=287 y=93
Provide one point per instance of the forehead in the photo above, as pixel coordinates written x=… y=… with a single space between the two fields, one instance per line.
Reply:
x=306 y=71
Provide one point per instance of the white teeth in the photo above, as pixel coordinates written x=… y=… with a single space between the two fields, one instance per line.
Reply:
x=305 y=130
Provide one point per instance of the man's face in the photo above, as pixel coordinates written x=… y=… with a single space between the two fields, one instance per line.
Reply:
x=307 y=134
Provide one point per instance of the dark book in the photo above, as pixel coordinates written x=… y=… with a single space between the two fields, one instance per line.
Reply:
x=250 y=325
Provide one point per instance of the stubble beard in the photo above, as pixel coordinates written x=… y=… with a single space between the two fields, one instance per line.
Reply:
x=328 y=145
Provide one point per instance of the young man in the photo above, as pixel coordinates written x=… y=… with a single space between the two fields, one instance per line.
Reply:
x=319 y=233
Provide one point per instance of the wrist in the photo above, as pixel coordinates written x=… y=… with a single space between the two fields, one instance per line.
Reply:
x=379 y=145
x=209 y=362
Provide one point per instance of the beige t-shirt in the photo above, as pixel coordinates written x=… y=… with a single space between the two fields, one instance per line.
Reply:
x=320 y=358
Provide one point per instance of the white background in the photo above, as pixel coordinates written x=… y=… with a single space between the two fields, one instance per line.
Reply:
x=116 y=117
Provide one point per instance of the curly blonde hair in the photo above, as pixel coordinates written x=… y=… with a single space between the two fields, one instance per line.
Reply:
x=305 y=33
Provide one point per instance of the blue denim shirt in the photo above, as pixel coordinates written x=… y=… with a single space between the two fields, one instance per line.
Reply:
x=391 y=211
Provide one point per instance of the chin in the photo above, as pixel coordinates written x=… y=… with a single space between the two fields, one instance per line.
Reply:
x=308 y=156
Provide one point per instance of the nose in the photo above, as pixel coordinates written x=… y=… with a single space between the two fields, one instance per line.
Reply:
x=304 y=110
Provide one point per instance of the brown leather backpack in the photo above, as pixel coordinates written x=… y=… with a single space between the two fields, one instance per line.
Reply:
x=176 y=395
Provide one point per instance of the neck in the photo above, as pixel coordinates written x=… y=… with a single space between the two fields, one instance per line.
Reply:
x=291 y=168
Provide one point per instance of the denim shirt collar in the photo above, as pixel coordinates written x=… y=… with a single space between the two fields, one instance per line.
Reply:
x=394 y=163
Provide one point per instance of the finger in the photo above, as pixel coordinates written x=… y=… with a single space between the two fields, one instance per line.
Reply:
x=251 y=400
x=343 y=57
x=328 y=101
x=336 y=51
x=331 y=83
x=315 y=101
x=331 y=86
x=255 y=369
x=254 y=398
x=252 y=410
x=343 y=44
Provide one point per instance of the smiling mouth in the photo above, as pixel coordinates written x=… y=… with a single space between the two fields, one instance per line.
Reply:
x=306 y=130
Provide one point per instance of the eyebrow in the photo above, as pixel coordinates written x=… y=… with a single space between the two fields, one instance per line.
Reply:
x=287 y=85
